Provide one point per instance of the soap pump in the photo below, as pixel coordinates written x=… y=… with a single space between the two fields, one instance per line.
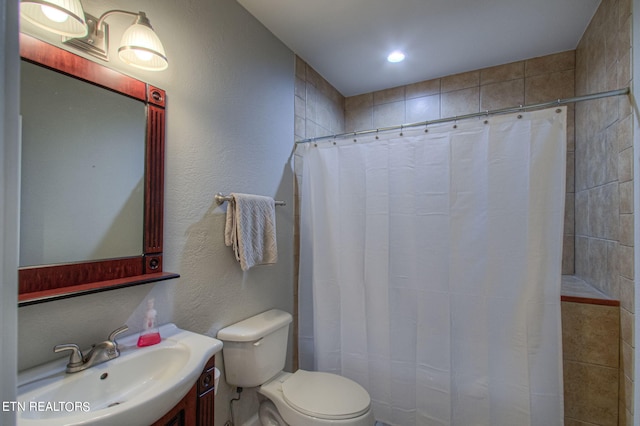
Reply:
x=150 y=334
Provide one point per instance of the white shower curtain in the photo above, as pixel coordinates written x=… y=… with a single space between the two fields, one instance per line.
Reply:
x=430 y=266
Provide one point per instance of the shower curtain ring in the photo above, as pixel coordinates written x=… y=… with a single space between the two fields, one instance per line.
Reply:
x=401 y=129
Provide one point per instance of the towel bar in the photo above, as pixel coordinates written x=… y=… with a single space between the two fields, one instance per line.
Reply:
x=220 y=198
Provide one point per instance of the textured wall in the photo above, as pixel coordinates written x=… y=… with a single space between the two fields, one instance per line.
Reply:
x=230 y=89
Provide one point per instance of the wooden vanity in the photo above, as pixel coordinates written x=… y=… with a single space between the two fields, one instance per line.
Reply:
x=196 y=408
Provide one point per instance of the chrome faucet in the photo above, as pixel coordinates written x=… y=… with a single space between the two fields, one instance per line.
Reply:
x=99 y=353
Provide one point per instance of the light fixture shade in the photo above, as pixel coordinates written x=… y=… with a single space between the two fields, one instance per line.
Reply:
x=64 y=17
x=140 y=47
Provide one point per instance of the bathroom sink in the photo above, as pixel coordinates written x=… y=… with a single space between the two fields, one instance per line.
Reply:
x=136 y=388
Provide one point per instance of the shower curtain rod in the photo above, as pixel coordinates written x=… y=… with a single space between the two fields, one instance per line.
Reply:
x=520 y=108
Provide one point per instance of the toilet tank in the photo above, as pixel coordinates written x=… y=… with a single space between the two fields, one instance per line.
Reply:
x=255 y=349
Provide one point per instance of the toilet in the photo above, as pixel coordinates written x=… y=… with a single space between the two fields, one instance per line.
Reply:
x=254 y=354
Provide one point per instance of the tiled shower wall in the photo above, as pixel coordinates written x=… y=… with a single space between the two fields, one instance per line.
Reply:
x=590 y=361
x=519 y=83
x=599 y=204
x=319 y=111
x=318 y=106
x=604 y=175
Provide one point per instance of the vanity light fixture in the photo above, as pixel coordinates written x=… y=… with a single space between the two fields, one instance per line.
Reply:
x=140 y=46
x=64 y=17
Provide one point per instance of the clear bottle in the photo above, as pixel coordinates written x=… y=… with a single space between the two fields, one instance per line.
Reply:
x=150 y=334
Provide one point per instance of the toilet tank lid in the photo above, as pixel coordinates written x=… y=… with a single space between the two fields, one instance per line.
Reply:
x=256 y=327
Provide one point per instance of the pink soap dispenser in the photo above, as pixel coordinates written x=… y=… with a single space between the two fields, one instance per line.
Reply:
x=150 y=334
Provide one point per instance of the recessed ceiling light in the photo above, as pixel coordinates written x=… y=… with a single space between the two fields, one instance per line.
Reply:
x=395 y=56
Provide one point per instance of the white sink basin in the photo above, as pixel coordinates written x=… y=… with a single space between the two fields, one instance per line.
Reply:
x=136 y=388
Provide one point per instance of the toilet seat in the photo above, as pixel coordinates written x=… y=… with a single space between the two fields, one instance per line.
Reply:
x=325 y=395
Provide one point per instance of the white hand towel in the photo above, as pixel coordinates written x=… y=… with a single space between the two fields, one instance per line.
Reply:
x=251 y=229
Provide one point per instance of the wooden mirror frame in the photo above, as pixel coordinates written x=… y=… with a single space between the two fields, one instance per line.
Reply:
x=43 y=283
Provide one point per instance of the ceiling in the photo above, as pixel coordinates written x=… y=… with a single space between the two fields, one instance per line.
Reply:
x=347 y=41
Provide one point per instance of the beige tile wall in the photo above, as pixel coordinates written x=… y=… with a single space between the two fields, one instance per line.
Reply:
x=319 y=111
x=604 y=175
x=590 y=359
x=319 y=107
x=519 y=83
x=601 y=177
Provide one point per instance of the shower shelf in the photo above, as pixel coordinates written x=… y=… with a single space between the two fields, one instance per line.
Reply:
x=577 y=290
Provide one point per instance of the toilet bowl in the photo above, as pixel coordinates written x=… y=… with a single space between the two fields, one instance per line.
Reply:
x=309 y=398
x=254 y=354
x=268 y=414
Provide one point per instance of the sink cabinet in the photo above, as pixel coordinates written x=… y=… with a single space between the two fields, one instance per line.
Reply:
x=172 y=381
x=196 y=408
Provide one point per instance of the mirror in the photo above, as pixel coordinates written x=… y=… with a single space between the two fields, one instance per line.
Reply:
x=92 y=176
x=82 y=177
